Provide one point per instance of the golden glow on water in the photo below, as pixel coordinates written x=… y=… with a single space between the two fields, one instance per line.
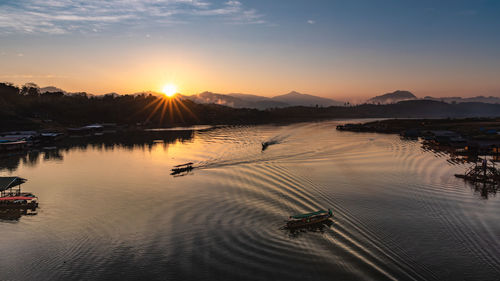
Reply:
x=105 y=200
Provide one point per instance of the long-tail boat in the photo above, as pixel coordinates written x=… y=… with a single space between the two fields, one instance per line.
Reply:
x=268 y=143
x=182 y=168
x=302 y=220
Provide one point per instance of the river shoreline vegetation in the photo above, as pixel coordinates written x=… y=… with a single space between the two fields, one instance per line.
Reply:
x=25 y=108
x=464 y=139
x=472 y=128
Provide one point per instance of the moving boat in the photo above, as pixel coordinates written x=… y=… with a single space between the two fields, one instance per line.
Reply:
x=182 y=168
x=302 y=220
x=11 y=195
x=264 y=146
x=268 y=143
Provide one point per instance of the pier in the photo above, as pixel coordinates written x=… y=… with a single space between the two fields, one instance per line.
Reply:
x=482 y=173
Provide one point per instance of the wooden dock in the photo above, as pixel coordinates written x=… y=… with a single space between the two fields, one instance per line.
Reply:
x=482 y=173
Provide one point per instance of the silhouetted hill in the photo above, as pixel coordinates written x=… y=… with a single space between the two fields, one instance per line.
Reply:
x=430 y=109
x=482 y=99
x=259 y=102
x=254 y=101
x=393 y=97
x=248 y=97
x=297 y=99
x=147 y=93
x=51 y=89
x=220 y=99
x=27 y=108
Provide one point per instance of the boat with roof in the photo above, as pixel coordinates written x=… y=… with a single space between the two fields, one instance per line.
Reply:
x=308 y=219
x=11 y=195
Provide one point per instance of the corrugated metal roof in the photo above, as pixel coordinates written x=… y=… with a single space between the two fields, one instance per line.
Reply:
x=9 y=182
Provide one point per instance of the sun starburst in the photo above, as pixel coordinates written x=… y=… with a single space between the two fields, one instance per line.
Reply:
x=169 y=90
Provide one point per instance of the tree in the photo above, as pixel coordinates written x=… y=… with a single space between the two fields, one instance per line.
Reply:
x=30 y=90
x=8 y=91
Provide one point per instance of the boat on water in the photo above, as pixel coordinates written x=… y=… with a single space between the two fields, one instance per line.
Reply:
x=308 y=219
x=182 y=168
x=268 y=143
x=11 y=195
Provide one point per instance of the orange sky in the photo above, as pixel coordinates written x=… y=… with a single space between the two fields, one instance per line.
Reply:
x=343 y=51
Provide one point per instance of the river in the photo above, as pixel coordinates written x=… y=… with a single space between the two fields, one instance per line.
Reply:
x=110 y=210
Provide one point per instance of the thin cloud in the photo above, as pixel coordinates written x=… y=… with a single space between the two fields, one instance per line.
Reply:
x=311 y=22
x=66 y=16
x=29 y=76
x=235 y=11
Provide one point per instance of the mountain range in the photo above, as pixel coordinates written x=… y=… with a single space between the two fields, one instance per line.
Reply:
x=238 y=100
x=398 y=96
x=482 y=99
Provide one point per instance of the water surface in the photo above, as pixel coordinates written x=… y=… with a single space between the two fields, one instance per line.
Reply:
x=109 y=209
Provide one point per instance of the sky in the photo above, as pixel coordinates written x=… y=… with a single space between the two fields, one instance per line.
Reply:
x=341 y=49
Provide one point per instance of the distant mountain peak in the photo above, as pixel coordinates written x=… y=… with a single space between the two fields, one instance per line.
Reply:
x=295 y=98
x=396 y=96
x=51 y=89
x=296 y=94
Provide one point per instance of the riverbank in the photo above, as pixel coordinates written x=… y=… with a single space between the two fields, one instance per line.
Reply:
x=478 y=136
x=50 y=111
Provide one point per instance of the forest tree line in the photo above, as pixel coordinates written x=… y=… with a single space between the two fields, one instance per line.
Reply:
x=27 y=108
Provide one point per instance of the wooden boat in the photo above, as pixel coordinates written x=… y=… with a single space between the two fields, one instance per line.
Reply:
x=11 y=195
x=182 y=168
x=303 y=220
x=268 y=143
x=264 y=146
x=10 y=202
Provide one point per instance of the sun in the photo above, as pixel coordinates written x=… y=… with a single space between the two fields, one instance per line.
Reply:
x=169 y=90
